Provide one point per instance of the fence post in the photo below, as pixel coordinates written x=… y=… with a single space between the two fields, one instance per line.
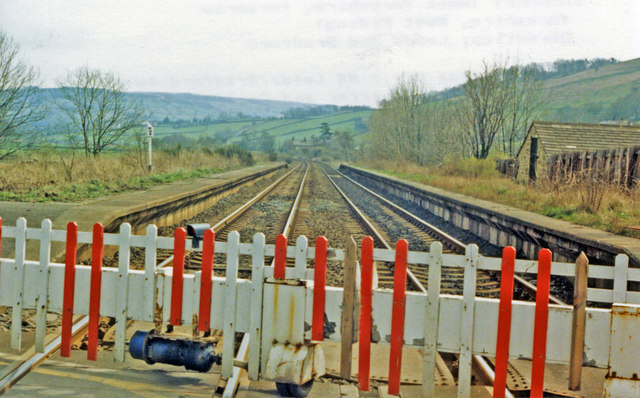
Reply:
x=540 y=323
x=257 y=282
x=348 y=305
x=319 y=288
x=42 y=298
x=636 y=172
x=397 y=316
x=229 y=330
x=466 y=324
x=578 y=324
x=533 y=158
x=364 y=341
x=95 y=290
x=18 y=268
x=179 y=237
x=280 y=258
x=300 y=269
x=204 y=310
x=504 y=322
x=432 y=320
x=620 y=279
x=69 y=289
x=124 y=241
x=149 y=272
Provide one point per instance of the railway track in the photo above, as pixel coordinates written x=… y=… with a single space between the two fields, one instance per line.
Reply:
x=422 y=233
x=314 y=200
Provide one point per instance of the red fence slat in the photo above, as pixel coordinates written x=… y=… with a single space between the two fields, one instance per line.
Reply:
x=319 y=284
x=208 y=250
x=280 y=261
x=97 y=250
x=177 y=278
x=540 y=324
x=397 y=316
x=504 y=321
x=366 y=286
x=69 y=287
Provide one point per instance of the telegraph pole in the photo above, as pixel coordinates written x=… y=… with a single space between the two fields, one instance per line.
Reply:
x=149 y=138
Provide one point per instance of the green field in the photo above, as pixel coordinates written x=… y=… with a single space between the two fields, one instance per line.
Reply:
x=589 y=96
x=280 y=129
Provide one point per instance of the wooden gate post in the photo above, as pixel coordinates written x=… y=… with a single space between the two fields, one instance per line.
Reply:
x=348 y=324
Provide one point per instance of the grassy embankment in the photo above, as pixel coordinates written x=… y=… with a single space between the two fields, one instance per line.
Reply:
x=41 y=176
x=574 y=202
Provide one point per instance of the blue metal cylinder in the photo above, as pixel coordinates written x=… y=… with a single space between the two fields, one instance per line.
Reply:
x=193 y=355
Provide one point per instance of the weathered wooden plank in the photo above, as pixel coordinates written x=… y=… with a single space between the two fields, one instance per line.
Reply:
x=578 y=324
x=348 y=305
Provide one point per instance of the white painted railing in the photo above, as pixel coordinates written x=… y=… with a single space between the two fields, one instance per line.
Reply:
x=280 y=311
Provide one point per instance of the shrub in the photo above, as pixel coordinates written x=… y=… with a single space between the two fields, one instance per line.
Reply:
x=471 y=168
x=241 y=153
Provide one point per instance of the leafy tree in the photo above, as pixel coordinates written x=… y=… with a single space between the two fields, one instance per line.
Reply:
x=97 y=108
x=20 y=107
x=345 y=142
x=325 y=131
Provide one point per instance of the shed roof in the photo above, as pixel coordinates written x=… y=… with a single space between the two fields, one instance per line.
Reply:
x=556 y=137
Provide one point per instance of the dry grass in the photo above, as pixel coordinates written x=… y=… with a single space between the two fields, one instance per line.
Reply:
x=600 y=206
x=51 y=175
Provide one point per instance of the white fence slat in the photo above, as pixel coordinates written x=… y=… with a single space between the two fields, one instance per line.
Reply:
x=467 y=322
x=620 y=279
x=138 y=240
x=600 y=295
x=431 y=322
x=149 y=270
x=8 y=232
x=301 y=257
x=195 y=302
x=634 y=274
x=257 y=280
x=85 y=237
x=42 y=289
x=33 y=233
x=229 y=331
x=58 y=235
x=158 y=317
x=18 y=285
x=122 y=296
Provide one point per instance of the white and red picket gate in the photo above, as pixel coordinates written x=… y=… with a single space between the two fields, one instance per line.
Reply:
x=286 y=308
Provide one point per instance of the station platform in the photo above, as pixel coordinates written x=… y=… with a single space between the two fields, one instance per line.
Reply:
x=109 y=209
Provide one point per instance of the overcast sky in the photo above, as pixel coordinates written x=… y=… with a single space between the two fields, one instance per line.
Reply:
x=325 y=51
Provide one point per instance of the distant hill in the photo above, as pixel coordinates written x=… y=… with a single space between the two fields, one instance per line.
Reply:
x=189 y=106
x=251 y=130
x=594 y=95
x=602 y=92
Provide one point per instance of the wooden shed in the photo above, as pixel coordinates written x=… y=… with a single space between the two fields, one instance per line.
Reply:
x=550 y=138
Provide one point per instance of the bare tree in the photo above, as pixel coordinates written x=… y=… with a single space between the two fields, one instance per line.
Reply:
x=482 y=111
x=399 y=128
x=20 y=107
x=499 y=100
x=524 y=105
x=97 y=107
